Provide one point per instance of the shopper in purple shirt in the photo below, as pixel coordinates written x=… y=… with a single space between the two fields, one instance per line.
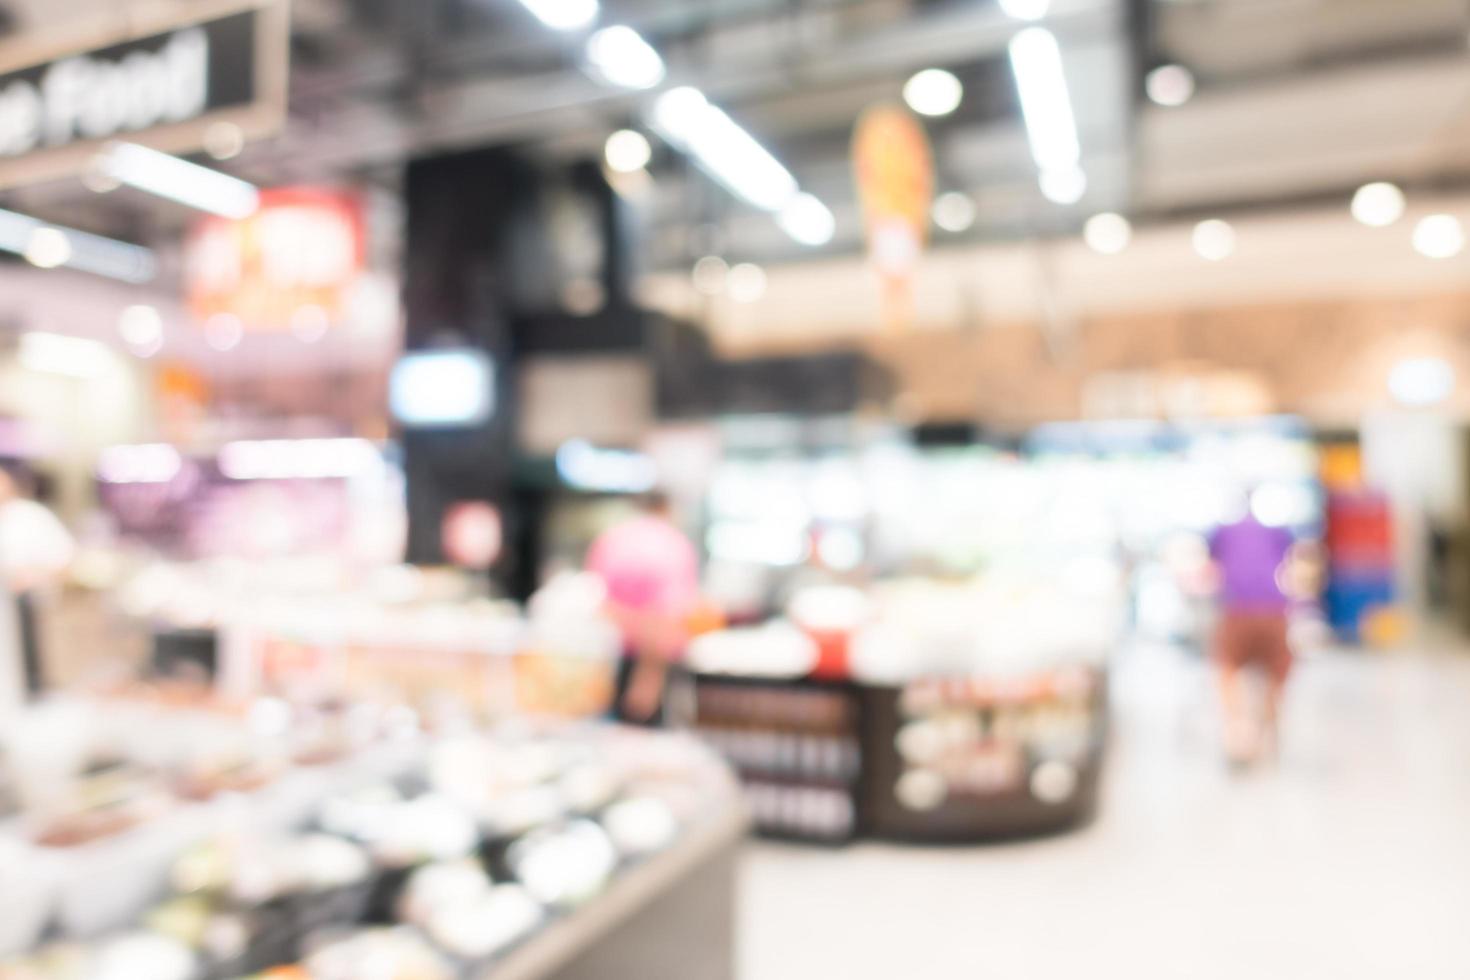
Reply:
x=1250 y=560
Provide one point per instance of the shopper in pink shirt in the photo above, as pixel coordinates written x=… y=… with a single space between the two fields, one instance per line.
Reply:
x=651 y=572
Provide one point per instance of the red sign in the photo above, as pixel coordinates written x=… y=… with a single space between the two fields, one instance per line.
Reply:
x=291 y=265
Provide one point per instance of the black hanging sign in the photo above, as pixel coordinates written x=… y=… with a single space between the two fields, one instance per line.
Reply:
x=163 y=86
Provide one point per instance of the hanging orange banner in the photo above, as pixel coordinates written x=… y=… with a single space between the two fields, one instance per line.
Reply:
x=894 y=167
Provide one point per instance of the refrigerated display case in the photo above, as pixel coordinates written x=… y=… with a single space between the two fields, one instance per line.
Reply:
x=520 y=853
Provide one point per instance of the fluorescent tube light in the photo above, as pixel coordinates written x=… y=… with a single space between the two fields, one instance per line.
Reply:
x=726 y=152
x=55 y=246
x=619 y=56
x=1051 y=128
x=807 y=220
x=563 y=15
x=176 y=179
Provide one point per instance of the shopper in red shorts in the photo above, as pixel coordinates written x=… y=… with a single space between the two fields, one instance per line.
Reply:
x=1250 y=558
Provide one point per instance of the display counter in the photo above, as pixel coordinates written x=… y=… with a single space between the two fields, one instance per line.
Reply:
x=956 y=761
x=798 y=745
x=672 y=917
x=426 y=640
x=938 y=760
x=533 y=851
x=920 y=711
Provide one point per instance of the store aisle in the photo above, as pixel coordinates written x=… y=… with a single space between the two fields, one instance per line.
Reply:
x=1350 y=859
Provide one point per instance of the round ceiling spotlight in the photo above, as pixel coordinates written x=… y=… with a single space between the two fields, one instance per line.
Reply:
x=747 y=283
x=1170 y=86
x=48 y=248
x=933 y=92
x=954 y=212
x=710 y=275
x=1378 y=205
x=1063 y=186
x=1214 y=240
x=1439 y=236
x=140 y=326
x=224 y=140
x=224 y=331
x=1026 y=9
x=627 y=151
x=1107 y=233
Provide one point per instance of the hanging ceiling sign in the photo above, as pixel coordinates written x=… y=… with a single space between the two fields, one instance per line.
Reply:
x=164 y=87
x=293 y=264
x=894 y=167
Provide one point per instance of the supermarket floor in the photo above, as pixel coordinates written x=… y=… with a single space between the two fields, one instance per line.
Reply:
x=1350 y=859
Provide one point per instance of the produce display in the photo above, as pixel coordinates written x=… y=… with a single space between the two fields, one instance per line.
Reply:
x=967 y=709
x=959 y=759
x=423 y=854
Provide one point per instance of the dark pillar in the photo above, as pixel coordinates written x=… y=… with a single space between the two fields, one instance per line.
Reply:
x=458 y=293
x=492 y=241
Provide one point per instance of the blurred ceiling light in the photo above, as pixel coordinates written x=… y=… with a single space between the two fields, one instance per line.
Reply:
x=1421 y=381
x=48 y=248
x=710 y=274
x=954 y=212
x=807 y=220
x=140 y=326
x=310 y=323
x=176 y=179
x=54 y=353
x=83 y=250
x=1439 y=236
x=1170 y=85
x=1214 y=240
x=224 y=331
x=1063 y=186
x=747 y=283
x=933 y=92
x=563 y=15
x=1378 y=205
x=156 y=463
x=1107 y=233
x=1025 y=9
x=299 y=459
x=619 y=56
x=726 y=152
x=626 y=151
x=1051 y=128
x=224 y=140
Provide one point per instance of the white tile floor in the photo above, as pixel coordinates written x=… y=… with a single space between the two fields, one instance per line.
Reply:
x=1350 y=859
